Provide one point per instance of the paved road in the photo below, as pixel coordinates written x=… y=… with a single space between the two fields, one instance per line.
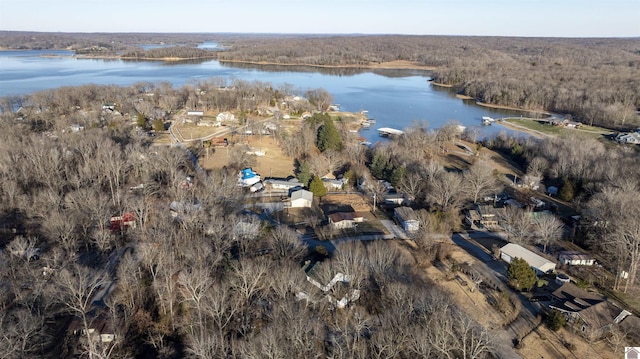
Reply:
x=496 y=272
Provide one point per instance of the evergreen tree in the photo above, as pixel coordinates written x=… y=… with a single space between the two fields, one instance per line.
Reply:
x=317 y=187
x=521 y=275
x=567 y=191
x=328 y=137
x=158 y=125
x=397 y=175
x=141 y=121
x=556 y=320
x=379 y=165
x=303 y=174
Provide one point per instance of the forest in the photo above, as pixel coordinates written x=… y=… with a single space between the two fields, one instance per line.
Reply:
x=211 y=282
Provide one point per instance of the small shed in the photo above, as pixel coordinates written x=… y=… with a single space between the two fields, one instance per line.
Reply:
x=301 y=199
x=407 y=218
x=540 y=264
x=575 y=258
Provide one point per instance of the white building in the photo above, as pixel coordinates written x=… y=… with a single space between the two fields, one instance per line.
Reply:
x=540 y=264
x=575 y=258
x=283 y=184
x=301 y=199
x=407 y=218
x=225 y=117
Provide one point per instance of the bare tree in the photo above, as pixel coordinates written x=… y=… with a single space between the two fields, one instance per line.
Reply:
x=517 y=223
x=479 y=180
x=286 y=244
x=22 y=334
x=547 y=229
x=412 y=185
x=445 y=191
x=617 y=211
x=78 y=287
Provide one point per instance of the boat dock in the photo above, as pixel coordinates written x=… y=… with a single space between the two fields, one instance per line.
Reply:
x=388 y=131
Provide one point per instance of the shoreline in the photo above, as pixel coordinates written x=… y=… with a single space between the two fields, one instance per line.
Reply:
x=501 y=107
x=392 y=65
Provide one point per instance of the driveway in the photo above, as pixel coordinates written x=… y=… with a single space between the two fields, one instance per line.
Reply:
x=394 y=229
x=496 y=271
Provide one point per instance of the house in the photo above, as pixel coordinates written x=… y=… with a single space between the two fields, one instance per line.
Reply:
x=247 y=177
x=109 y=106
x=487 y=215
x=128 y=219
x=540 y=264
x=407 y=218
x=99 y=327
x=575 y=258
x=278 y=184
x=225 y=117
x=344 y=220
x=592 y=312
x=552 y=191
x=630 y=138
x=333 y=184
x=395 y=199
x=195 y=113
x=338 y=286
x=301 y=199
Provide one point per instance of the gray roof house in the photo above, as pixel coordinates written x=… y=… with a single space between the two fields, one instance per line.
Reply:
x=407 y=218
x=540 y=264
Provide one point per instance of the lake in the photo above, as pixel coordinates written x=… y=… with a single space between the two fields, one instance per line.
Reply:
x=394 y=98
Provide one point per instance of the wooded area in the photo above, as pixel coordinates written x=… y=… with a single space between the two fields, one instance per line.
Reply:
x=197 y=285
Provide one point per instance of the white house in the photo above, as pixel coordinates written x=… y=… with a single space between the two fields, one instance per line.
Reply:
x=225 y=117
x=407 y=218
x=301 y=198
x=334 y=184
x=195 y=113
x=633 y=138
x=283 y=184
x=344 y=220
x=575 y=258
x=540 y=264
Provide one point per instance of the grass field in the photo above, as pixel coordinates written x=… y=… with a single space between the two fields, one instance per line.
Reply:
x=547 y=129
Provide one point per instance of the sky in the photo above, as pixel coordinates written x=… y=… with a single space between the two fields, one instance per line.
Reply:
x=545 y=18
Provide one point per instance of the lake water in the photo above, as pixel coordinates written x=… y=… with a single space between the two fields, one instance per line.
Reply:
x=395 y=98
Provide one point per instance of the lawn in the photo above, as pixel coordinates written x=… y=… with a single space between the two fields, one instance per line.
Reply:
x=536 y=125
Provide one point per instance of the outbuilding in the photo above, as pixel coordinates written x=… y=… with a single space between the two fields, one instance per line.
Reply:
x=540 y=264
x=301 y=199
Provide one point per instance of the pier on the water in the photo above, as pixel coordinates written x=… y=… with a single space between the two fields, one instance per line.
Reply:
x=388 y=131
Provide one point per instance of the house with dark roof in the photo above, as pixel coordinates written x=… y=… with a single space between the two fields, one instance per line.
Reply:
x=592 y=313
x=344 y=220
